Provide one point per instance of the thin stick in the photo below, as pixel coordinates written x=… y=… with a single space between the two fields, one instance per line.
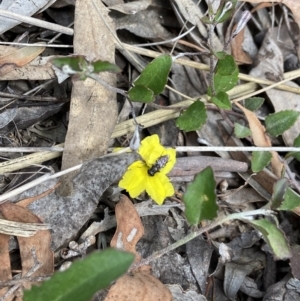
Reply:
x=30 y=149
x=36 y=22
x=235 y=149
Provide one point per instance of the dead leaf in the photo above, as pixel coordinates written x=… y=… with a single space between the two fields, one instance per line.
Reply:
x=258 y=131
x=140 y=286
x=260 y=138
x=5 y=267
x=129 y=227
x=19 y=58
x=131 y=8
x=237 y=48
x=93 y=112
x=40 y=242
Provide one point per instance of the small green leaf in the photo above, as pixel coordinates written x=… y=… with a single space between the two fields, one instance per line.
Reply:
x=206 y=20
x=279 y=191
x=260 y=160
x=224 y=14
x=254 y=103
x=193 y=118
x=241 y=131
x=274 y=237
x=220 y=55
x=225 y=82
x=279 y=122
x=84 y=278
x=200 y=198
x=102 y=66
x=221 y=100
x=291 y=200
x=296 y=155
x=155 y=74
x=74 y=62
x=226 y=66
x=140 y=94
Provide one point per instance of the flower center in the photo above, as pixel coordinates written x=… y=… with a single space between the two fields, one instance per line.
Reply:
x=158 y=165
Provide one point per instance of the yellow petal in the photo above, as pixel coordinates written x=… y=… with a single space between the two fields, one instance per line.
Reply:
x=135 y=179
x=159 y=187
x=150 y=149
x=171 y=162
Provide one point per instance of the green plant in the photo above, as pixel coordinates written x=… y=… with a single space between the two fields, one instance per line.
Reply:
x=200 y=198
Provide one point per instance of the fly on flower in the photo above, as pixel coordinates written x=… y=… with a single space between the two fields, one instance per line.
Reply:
x=150 y=173
x=158 y=165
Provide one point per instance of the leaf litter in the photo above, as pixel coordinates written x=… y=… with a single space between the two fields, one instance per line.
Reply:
x=234 y=261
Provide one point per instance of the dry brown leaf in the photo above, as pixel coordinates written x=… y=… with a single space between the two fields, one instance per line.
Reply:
x=93 y=112
x=260 y=138
x=40 y=242
x=140 y=286
x=19 y=58
x=5 y=268
x=129 y=227
x=258 y=131
x=237 y=48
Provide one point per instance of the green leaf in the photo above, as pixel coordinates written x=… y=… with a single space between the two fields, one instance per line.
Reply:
x=226 y=66
x=193 y=118
x=84 y=278
x=279 y=191
x=260 y=160
x=241 y=131
x=221 y=100
x=74 y=62
x=200 y=198
x=140 y=94
x=279 y=122
x=254 y=103
x=206 y=20
x=291 y=200
x=225 y=82
x=102 y=66
x=296 y=155
x=155 y=74
x=274 y=237
x=224 y=14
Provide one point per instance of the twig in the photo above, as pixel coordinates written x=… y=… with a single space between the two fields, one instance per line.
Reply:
x=235 y=149
x=36 y=22
x=167 y=41
x=30 y=149
x=35 y=45
x=28 y=97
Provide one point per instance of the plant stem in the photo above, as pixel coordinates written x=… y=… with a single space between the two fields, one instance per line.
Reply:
x=211 y=59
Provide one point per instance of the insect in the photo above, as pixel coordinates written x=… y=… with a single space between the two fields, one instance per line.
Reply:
x=159 y=164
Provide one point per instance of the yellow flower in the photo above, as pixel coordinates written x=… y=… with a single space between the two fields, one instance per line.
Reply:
x=150 y=174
